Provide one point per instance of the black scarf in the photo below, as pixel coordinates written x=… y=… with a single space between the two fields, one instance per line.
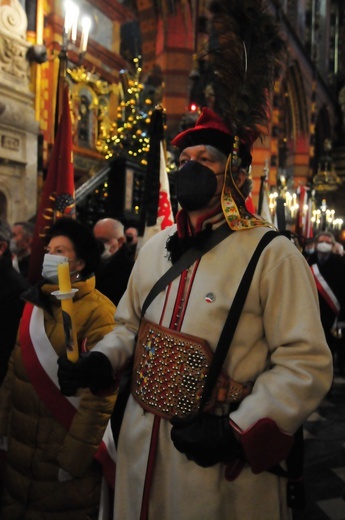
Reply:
x=176 y=245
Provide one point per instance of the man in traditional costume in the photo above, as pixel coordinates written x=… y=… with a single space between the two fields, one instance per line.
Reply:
x=188 y=449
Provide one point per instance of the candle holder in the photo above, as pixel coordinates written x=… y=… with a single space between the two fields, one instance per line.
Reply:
x=64 y=295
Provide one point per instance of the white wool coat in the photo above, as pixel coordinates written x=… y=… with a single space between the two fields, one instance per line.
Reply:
x=279 y=344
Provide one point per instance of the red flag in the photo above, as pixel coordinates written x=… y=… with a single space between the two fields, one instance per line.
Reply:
x=250 y=204
x=58 y=198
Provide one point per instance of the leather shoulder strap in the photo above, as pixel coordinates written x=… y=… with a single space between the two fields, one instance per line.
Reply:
x=235 y=312
x=185 y=261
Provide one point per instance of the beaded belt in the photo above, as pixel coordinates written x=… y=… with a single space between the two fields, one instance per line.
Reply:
x=170 y=370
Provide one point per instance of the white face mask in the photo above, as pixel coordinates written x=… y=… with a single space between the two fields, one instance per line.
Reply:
x=50 y=266
x=323 y=247
x=106 y=253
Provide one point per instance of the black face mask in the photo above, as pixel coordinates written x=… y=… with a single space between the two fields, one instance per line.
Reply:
x=129 y=239
x=196 y=185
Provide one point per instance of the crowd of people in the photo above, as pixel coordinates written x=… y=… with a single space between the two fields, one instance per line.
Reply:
x=279 y=367
x=180 y=453
x=55 y=413
x=197 y=358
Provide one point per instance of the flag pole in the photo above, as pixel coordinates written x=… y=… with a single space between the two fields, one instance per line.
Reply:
x=157 y=213
x=58 y=193
x=63 y=62
x=261 y=193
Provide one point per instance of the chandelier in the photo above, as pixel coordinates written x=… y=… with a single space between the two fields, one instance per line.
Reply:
x=324 y=218
x=326 y=179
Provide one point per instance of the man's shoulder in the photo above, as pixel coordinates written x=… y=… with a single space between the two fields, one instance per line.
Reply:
x=11 y=277
x=121 y=256
x=278 y=249
x=337 y=261
x=157 y=239
x=252 y=237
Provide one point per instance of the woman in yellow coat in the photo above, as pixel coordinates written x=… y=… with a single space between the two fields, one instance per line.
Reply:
x=53 y=443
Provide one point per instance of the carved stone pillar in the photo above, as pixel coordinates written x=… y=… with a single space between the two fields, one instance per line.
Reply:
x=18 y=128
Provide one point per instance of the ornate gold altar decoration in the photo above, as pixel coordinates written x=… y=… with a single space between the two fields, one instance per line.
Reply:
x=94 y=108
x=114 y=119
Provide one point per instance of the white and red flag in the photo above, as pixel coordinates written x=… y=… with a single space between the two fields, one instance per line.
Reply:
x=158 y=208
x=264 y=202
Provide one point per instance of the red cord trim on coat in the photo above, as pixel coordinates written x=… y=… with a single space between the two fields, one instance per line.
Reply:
x=150 y=469
x=233 y=469
x=176 y=315
x=165 y=304
x=190 y=285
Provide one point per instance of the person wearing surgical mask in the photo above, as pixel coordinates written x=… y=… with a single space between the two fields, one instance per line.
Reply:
x=56 y=472
x=12 y=285
x=328 y=269
x=117 y=259
x=20 y=246
x=309 y=248
x=324 y=245
x=132 y=240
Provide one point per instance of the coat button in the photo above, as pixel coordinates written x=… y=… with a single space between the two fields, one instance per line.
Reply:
x=210 y=297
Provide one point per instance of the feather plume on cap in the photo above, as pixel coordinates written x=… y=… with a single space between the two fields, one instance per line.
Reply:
x=244 y=54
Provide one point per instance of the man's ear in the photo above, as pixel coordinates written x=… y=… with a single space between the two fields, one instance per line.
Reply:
x=80 y=265
x=3 y=246
x=121 y=241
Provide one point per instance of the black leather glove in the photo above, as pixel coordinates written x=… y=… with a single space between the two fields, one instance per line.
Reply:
x=206 y=439
x=93 y=370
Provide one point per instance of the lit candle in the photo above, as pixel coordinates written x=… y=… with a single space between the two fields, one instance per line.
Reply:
x=66 y=296
x=86 y=24
x=75 y=24
x=64 y=277
x=68 y=19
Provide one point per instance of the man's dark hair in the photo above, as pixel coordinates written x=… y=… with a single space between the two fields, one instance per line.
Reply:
x=28 y=227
